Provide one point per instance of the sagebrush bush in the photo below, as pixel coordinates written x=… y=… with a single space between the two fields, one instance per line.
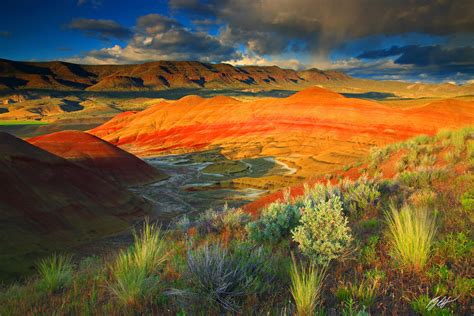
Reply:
x=323 y=233
x=223 y=279
x=276 y=222
x=421 y=177
x=359 y=195
x=423 y=198
x=306 y=286
x=235 y=218
x=55 y=272
x=410 y=234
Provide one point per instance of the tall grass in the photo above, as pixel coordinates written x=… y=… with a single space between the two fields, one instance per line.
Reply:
x=306 y=286
x=134 y=272
x=55 y=272
x=410 y=233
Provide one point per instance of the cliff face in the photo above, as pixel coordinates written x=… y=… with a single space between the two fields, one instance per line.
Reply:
x=154 y=76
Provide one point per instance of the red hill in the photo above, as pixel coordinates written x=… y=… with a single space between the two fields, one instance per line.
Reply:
x=47 y=203
x=99 y=156
x=315 y=131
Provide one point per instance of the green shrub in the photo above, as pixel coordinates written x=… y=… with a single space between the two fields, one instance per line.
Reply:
x=210 y=221
x=323 y=234
x=410 y=234
x=221 y=278
x=55 y=272
x=423 y=198
x=421 y=177
x=467 y=201
x=455 y=247
x=276 y=222
x=368 y=253
x=306 y=287
x=362 y=292
x=359 y=195
x=235 y=218
x=451 y=157
x=378 y=155
x=463 y=287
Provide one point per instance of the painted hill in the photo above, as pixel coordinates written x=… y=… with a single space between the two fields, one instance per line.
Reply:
x=154 y=76
x=47 y=203
x=314 y=131
x=99 y=156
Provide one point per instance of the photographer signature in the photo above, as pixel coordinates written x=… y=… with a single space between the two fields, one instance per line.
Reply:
x=440 y=301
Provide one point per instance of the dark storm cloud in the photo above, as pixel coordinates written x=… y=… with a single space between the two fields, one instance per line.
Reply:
x=325 y=24
x=425 y=55
x=102 y=29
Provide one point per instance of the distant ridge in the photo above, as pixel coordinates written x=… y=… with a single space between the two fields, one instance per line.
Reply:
x=159 y=75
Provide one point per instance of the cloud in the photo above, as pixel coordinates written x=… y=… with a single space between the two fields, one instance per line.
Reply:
x=256 y=60
x=390 y=69
x=5 y=34
x=93 y=3
x=158 y=37
x=101 y=29
x=325 y=24
x=426 y=55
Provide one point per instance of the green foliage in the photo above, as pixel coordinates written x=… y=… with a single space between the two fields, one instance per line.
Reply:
x=463 y=287
x=306 y=286
x=455 y=247
x=368 y=253
x=276 y=222
x=451 y=157
x=359 y=195
x=55 y=272
x=467 y=201
x=378 y=155
x=410 y=234
x=362 y=292
x=369 y=225
x=235 y=218
x=323 y=234
x=422 y=305
x=133 y=275
x=215 y=221
x=424 y=198
x=220 y=277
x=421 y=177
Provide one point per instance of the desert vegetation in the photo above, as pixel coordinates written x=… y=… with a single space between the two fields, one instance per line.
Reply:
x=386 y=236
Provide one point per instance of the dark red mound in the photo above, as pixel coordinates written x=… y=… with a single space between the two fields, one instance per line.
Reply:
x=48 y=202
x=99 y=156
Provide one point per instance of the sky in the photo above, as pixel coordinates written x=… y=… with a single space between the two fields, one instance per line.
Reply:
x=410 y=40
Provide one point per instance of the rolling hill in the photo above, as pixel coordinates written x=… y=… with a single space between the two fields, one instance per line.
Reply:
x=158 y=75
x=314 y=131
x=48 y=203
x=99 y=156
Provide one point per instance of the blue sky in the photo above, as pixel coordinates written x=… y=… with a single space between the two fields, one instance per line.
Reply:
x=398 y=40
